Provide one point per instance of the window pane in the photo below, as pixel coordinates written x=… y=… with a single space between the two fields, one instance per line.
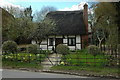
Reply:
x=71 y=42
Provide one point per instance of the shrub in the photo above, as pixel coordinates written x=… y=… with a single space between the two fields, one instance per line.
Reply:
x=62 y=49
x=9 y=47
x=22 y=49
x=94 y=50
x=119 y=48
x=32 y=48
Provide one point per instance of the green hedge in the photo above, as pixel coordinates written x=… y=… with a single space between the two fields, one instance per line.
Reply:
x=9 y=47
x=32 y=48
x=62 y=49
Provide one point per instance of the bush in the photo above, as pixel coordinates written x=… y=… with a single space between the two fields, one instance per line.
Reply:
x=94 y=50
x=62 y=49
x=119 y=48
x=32 y=48
x=22 y=49
x=9 y=47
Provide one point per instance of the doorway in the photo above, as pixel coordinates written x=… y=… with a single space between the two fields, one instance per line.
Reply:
x=58 y=41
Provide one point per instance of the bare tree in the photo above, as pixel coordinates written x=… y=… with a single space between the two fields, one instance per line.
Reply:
x=40 y=15
x=15 y=11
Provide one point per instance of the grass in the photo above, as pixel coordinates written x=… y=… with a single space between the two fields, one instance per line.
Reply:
x=23 y=60
x=83 y=58
x=82 y=61
x=16 y=64
x=88 y=69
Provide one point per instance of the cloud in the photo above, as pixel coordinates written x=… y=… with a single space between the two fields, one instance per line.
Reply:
x=8 y=4
x=74 y=7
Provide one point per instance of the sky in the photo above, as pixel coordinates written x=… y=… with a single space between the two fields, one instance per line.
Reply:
x=36 y=5
x=61 y=5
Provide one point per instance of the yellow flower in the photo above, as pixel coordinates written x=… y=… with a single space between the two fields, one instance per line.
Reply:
x=62 y=63
x=30 y=55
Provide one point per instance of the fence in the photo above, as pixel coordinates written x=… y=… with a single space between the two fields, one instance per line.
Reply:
x=74 y=58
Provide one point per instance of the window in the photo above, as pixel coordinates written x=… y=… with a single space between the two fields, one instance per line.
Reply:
x=71 y=42
x=50 y=41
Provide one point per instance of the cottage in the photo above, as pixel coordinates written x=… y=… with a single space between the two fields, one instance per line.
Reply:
x=73 y=29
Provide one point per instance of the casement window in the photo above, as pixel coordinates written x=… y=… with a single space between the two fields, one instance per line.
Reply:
x=71 y=41
x=51 y=41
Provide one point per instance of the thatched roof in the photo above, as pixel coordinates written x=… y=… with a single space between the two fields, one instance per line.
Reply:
x=68 y=22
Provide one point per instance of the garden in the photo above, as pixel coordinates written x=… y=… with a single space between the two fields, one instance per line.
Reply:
x=86 y=61
x=29 y=57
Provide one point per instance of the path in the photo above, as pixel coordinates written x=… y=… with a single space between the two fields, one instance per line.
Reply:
x=52 y=60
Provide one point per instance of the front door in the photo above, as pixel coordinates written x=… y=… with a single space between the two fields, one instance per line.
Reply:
x=58 y=41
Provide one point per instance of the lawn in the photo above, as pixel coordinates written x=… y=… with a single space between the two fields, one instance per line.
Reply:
x=16 y=64
x=83 y=58
x=88 y=70
x=85 y=63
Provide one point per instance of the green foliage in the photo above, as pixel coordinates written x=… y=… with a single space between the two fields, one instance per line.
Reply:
x=9 y=47
x=32 y=48
x=24 y=57
x=62 y=49
x=22 y=49
x=105 y=15
x=89 y=70
x=8 y=28
x=83 y=58
x=119 y=49
x=18 y=28
x=94 y=50
x=42 y=29
x=14 y=64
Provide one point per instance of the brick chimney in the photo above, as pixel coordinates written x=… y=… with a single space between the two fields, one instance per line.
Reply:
x=85 y=16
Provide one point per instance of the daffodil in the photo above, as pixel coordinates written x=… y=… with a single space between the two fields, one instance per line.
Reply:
x=30 y=55
x=62 y=63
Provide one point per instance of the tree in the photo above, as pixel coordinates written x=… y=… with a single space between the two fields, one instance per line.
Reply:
x=105 y=14
x=92 y=22
x=40 y=15
x=17 y=24
x=117 y=6
x=24 y=25
x=42 y=29
x=100 y=34
x=15 y=11
x=8 y=27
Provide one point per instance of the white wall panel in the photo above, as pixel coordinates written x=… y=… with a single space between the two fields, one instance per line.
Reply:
x=64 y=40
x=78 y=39
x=43 y=47
x=44 y=42
x=72 y=47
x=78 y=46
